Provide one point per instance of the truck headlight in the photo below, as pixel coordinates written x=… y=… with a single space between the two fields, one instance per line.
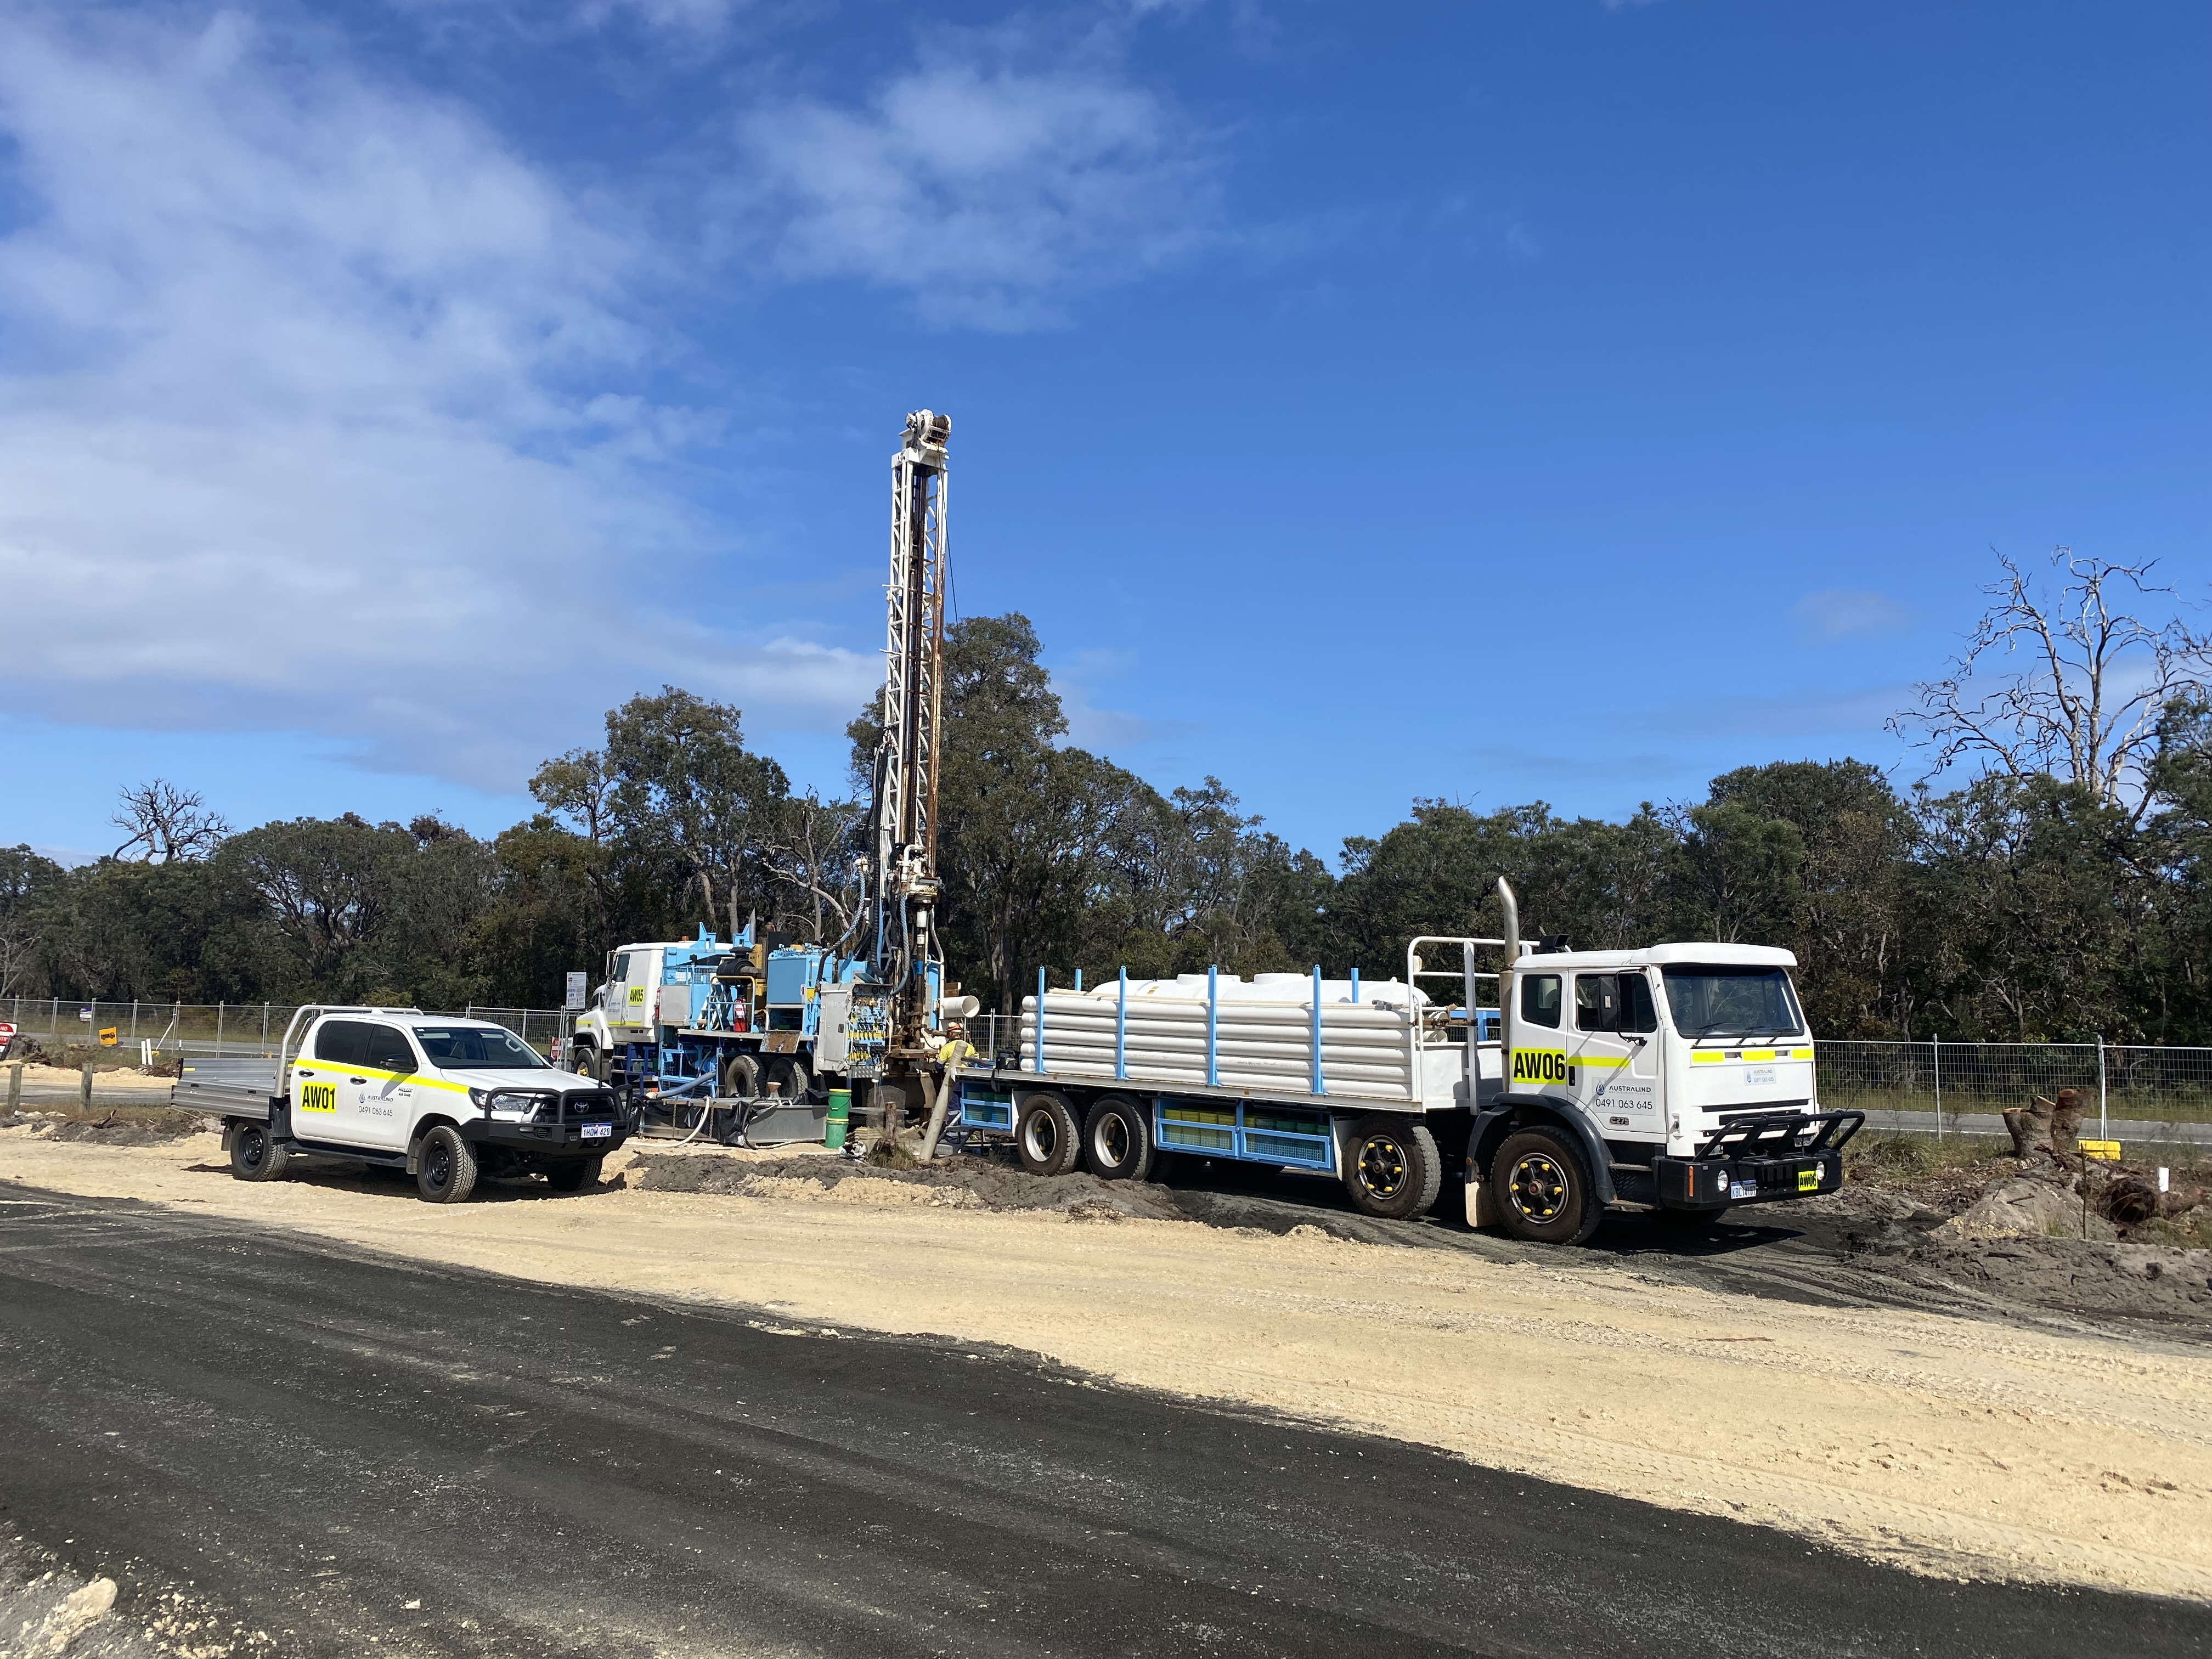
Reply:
x=513 y=1108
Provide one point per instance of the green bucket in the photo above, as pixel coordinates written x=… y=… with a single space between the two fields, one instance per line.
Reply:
x=841 y=1115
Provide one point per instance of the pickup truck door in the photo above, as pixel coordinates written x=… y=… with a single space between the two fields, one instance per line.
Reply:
x=1613 y=1056
x=384 y=1100
x=326 y=1081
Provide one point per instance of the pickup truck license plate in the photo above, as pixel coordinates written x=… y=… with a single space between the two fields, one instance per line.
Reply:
x=597 y=1131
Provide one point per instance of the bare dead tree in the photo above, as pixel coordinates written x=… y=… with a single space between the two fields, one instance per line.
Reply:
x=170 y=824
x=811 y=852
x=2093 y=680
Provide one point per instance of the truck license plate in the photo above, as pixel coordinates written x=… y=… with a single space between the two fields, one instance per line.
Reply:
x=1759 y=1076
x=597 y=1131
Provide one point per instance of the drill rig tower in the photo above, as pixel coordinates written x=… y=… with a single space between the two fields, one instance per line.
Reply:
x=907 y=953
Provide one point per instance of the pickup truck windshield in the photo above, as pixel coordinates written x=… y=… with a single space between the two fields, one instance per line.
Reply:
x=463 y=1048
x=1708 y=1002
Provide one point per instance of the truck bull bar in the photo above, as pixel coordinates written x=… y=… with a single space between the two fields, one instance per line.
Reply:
x=1781 y=1135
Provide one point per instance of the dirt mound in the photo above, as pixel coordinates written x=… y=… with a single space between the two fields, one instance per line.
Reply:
x=2091 y=1278
x=118 y=1129
x=954 y=1184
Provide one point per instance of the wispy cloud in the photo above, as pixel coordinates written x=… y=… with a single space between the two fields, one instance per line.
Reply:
x=1849 y=613
x=316 y=413
x=988 y=192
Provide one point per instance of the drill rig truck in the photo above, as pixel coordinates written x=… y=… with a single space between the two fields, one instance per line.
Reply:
x=744 y=1038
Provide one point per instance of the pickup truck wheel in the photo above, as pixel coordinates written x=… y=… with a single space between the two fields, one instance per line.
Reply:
x=445 y=1172
x=254 y=1153
x=1392 y=1168
x=1046 y=1138
x=1543 y=1188
x=1117 y=1141
x=574 y=1175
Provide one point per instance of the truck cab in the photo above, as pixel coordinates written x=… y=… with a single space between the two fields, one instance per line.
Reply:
x=1677 y=1079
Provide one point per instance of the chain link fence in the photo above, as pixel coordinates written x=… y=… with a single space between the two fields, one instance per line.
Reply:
x=237 y=1029
x=1969 y=1085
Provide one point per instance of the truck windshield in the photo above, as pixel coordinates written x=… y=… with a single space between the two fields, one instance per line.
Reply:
x=1709 y=1002
x=474 y=1047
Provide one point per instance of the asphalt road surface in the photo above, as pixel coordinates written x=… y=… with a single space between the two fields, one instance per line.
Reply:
x=350 y=1454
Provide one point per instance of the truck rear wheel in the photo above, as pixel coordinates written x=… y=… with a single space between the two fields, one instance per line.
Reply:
x=1391 y=1168
x=254 y=1153
x=1543 y=1188
x=791 y=1071
x=1117 y=1141
x=740 y=1076
x=446 y=1172
x=1046 y=1138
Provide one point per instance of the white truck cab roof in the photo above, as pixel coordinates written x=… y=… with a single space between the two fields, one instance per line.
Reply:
x=1662 y=955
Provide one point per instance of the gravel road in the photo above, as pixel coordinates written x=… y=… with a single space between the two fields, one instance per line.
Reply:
x=335 y=1453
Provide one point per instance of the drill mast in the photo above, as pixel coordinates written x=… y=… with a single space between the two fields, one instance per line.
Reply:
x=907 y=760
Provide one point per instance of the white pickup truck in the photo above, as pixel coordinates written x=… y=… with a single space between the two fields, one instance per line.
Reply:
x=445 y=1099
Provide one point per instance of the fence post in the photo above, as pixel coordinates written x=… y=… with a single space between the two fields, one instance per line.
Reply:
x=134 y=1020
x=1936 y=1044
x=221 y=1010
x=2104 y=1130
x=264 y=1025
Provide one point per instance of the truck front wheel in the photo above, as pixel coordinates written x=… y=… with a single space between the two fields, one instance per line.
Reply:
x=1543 y=1188
x=254 y=1153
x=446 y=1172
x=1392 y=1168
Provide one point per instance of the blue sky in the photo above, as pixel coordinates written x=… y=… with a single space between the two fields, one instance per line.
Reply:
x=1490 y=401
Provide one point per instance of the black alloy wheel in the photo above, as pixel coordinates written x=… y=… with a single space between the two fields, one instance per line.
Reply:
x=254 y=1153
x=446 y=1171
x=1543 y=1188
x=1391 y=1168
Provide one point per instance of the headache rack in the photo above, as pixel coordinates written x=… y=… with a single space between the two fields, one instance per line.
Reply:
x=1781 y=1135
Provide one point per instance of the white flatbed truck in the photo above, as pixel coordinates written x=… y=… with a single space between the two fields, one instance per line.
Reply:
x=1677 y=1079
x=443 y=1099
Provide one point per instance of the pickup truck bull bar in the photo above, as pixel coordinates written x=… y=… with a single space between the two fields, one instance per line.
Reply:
x=1781 y=1135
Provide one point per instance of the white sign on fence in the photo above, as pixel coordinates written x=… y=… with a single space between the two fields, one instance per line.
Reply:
x=578 y=985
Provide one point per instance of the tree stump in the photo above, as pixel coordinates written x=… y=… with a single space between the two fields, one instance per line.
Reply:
x=2046 y=1126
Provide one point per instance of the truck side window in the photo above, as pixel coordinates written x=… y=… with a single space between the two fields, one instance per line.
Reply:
x=622 y=968
x=1540 y=998
x=1636 y=1012
x=387 y=1049
x=341 y=1042
x=1597 y=1006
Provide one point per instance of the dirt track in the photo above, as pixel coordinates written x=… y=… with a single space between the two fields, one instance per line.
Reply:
x=1957 y=1446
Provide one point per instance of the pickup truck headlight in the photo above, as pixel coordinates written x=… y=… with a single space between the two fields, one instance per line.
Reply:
x=514 y=1109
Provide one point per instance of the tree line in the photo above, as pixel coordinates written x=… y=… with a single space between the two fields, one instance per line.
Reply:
x=2060 y=887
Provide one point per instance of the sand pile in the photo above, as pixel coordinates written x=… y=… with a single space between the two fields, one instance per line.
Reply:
x=964 y=1183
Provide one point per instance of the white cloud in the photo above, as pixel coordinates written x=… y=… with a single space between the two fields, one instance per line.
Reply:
x=988 y=195
x=1847 y=613
x=313 y=416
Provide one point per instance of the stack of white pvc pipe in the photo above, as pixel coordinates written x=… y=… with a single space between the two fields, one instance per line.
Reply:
x=1262 y=1034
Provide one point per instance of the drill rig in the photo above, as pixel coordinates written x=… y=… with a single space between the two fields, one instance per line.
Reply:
x=703 y=1025
x=907 y=957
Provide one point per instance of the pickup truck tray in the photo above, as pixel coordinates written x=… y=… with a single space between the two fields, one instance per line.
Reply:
x=228 y=1088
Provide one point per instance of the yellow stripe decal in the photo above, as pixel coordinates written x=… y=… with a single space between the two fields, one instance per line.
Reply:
x=1698 y=1059
x=1601 y=1062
